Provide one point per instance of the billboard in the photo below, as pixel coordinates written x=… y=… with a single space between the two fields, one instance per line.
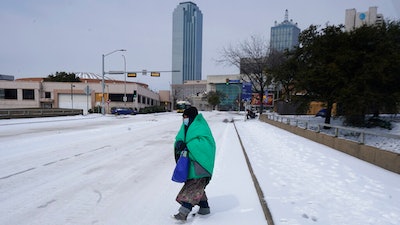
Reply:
x=268 y=99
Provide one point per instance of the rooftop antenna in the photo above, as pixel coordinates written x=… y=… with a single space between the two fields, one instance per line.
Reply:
x=286 y=15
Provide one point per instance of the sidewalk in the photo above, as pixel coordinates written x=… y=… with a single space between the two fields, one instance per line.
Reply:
x=239 y=203
x=308 y=183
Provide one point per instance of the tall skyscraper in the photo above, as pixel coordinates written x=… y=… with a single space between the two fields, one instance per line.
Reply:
x=356 y=19
x=284 y=35
x=187 y=34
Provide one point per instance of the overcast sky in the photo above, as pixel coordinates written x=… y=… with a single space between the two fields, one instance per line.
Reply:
x=41 y=37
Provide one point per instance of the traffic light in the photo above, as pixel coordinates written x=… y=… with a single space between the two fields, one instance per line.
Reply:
x=134 y=94
x=155 y=74
x=227 y=81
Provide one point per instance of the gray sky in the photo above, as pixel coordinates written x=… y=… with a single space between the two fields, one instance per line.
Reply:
x=41 y=37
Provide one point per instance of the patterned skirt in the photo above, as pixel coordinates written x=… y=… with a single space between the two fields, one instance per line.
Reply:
x=193 y=191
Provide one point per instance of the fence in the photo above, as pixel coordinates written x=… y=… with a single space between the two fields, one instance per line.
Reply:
x=353 y=144
x=317 y=127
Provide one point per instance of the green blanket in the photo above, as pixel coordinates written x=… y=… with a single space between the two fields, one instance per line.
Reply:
x=201 y=146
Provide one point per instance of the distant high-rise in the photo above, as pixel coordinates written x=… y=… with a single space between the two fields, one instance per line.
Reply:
x=356 y=19
x=284 y=35
x=187 y=33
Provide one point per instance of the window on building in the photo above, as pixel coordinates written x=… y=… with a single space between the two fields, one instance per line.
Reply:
x=47 y=94
x=8 y=93
x=129 y=97
x=120 y=97
x=28 y=94
x=116 y=97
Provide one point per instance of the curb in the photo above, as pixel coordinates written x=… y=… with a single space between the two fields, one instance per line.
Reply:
x=264 y=205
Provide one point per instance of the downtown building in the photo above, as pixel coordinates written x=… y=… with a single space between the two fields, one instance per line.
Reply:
x=187 y=32
x=354 y=19
x=187 y=35
x=284 y=35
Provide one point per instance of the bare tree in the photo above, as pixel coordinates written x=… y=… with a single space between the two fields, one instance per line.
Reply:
x=252 y=58
x=214 y=98
x=284 y=67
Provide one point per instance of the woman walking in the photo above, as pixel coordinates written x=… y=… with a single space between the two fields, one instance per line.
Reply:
x=195 y=136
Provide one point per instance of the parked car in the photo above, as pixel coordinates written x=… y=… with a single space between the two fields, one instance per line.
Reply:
x=321 y=113
x=123 y=111
x=378 y=122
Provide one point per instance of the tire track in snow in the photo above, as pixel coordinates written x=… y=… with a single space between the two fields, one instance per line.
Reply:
x=46 y=204
x=53 y=162
x=17 y=173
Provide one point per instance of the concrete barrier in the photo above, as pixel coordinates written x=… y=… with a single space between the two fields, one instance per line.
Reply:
x=382 y=158
x=35 y=112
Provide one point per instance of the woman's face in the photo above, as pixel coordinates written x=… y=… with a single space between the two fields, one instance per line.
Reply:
x=186 y=120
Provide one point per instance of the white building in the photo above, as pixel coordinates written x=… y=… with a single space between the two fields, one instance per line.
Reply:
x=356 y=19
x=85 y=95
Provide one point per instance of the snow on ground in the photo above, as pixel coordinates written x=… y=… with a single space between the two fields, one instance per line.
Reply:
x=305 y=182
x=117 y=170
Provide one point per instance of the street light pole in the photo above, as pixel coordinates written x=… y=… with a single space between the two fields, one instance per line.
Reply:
x=102 y=80
x=72 y=96
x=124 y=80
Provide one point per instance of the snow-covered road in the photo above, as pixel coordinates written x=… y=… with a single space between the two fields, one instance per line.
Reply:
x=72 y=172
x=117 y=170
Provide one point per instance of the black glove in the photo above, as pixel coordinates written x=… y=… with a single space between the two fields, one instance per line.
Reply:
x=179 y=146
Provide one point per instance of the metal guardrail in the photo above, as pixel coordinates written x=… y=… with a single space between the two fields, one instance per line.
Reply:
x=37 y=112
x=337 y=131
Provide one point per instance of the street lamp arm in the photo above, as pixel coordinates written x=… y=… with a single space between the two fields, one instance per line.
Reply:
x=102 y=80
x=118 y=50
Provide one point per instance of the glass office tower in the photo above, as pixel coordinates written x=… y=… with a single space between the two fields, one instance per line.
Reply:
x=285 y=35
x=187 y=33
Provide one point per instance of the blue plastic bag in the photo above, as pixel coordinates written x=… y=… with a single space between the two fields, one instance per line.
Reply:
x=181 y=170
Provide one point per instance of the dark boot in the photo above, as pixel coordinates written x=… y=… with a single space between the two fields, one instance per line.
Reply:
x=182 y=214
x=204 y=211
x=204 y=208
